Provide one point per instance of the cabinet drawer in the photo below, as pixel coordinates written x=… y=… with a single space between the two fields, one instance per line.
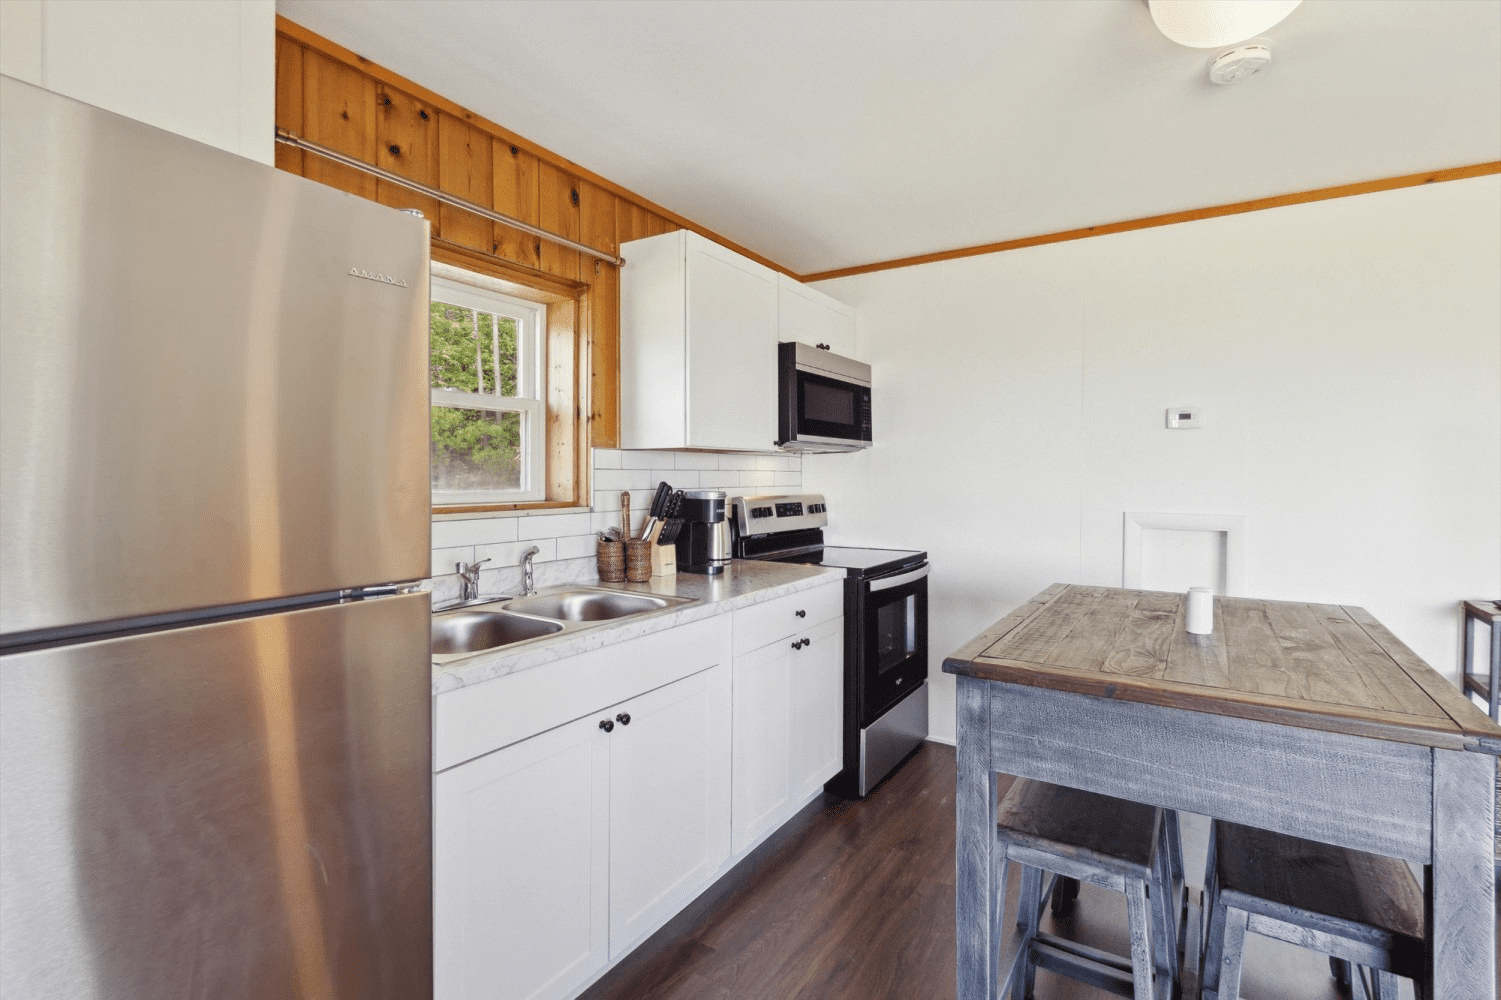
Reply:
x=762 y=623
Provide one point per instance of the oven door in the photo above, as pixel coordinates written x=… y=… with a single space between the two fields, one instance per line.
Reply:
x=893 y=648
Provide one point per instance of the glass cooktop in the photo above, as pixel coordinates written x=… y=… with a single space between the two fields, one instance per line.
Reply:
x=862 y=562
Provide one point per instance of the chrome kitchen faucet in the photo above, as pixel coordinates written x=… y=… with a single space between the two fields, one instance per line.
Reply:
x=528 y=585
x=469 y=580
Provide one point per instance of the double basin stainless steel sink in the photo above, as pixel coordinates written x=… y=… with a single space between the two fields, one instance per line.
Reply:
x=502 y=622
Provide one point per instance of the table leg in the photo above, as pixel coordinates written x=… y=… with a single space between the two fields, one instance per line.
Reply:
x=1462 y=883
x=975 y=927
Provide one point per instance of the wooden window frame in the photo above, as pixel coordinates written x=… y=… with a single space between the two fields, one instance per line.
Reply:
x=565 y=379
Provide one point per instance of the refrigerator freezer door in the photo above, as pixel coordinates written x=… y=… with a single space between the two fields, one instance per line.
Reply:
x=213 y=376
x=236 y=810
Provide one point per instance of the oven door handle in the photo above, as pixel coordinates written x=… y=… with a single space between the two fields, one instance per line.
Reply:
x=887 y=583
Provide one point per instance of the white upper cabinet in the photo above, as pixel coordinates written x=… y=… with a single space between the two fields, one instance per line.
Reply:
x=807 y=316
x=698 y=334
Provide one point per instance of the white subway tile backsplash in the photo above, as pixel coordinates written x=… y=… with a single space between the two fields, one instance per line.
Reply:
x=445 y=560
x=697 y=460
x=683 y=479
x=552 y=525
x=567 y=540
x=473 y=531
x=509 y=553
x=577 y=546
x=624 y=479
x=718 y=479
x=647 y=459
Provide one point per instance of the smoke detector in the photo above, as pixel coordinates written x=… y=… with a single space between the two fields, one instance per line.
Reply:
x=1239 y=61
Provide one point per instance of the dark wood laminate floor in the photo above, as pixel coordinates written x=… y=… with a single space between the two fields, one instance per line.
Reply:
x=855 y=901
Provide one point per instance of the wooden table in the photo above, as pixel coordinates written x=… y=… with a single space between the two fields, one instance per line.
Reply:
x=1312 y=720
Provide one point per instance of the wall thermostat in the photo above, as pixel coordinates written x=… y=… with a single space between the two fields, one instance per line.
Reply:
x=1183 y=417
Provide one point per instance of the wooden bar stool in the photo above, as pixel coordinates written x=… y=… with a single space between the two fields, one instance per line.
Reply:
x=1051 y=830
x=1354 y=907
x=1487 y=685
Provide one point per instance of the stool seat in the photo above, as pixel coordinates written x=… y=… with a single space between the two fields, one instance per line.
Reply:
x=1355 y=907
x=1106 y=832
x=1287 y=872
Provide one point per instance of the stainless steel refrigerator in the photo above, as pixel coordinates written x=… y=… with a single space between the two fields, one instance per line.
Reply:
x=215 y=728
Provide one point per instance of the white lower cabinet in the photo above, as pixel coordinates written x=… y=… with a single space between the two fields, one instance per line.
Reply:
x=789 y=711
x=818 y=709
x=565 y=833
x=521 y=842
x=557 y=853
x=669 y=802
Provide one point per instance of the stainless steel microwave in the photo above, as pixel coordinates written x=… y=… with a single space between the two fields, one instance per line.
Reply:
x=823 y=400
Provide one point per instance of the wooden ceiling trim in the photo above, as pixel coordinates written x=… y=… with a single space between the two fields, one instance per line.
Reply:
x=1172 y=218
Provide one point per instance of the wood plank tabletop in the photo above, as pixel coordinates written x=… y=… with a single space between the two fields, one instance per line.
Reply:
x=1315 y=666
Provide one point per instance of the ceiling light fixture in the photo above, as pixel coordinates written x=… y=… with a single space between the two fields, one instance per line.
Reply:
x=1240 y=61
x=1213 y=24
x=1226 y=25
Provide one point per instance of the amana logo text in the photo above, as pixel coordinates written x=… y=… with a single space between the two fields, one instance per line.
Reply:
x=384 y=278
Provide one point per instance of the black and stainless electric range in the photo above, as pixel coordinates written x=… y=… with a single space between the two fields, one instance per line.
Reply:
x=885 y=629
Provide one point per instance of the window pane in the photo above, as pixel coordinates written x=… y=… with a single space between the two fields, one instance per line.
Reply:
x=475 y=449
x=505 y=357
x=472 y=351
x=454 y=359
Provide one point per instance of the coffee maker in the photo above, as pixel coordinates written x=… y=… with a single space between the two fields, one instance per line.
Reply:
x=704 y=542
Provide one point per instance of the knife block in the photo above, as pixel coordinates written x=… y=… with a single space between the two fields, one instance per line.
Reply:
x=664 y=558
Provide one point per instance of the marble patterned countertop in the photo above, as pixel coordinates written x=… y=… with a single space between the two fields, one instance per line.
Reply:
x=745 y=583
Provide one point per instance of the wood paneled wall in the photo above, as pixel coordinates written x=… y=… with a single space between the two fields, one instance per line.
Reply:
x=336 y=98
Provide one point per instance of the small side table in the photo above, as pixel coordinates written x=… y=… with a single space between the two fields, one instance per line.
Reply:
x=1488 y=686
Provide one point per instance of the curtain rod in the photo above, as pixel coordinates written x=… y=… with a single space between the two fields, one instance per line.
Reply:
x=289 y=138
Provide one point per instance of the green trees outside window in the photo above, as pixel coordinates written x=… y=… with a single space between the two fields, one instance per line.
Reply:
x=475 y=352
x=486 y=372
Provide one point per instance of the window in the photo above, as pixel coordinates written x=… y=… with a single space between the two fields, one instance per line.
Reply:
x=488 y=368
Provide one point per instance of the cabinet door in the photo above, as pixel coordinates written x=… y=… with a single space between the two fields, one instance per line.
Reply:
x=818 y=709
x=521 y=853
x=732 y=316
x=669 y=801
x=808 y=316
x=761 y=768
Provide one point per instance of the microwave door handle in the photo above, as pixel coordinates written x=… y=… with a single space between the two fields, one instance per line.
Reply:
x=896 y=581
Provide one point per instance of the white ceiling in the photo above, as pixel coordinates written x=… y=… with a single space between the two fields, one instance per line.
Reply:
x=825 y=135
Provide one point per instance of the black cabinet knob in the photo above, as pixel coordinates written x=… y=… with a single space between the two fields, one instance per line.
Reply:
x=796 y=644
x=807 y=642
x=624 y=718
x=801 y=613
x=606 y=725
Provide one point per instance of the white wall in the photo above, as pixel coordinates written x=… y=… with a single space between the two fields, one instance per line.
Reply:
x=205 y=69
x=1347 y=355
